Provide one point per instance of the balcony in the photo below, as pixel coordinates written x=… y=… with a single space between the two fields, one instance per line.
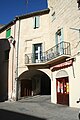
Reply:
x=54 y=54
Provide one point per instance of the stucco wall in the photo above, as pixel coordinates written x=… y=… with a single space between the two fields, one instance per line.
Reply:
x=74 y=86
x=66 y=17
x=32 y=36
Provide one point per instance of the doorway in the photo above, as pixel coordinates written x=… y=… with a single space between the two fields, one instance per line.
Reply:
x=26 y=88
x=34 y=82
x=37 y=52
x=59 y=42
x=62 y=87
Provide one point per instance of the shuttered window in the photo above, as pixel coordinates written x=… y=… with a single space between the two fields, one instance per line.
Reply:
x=59 y=41
x=8 y=33
x=36 y=22
x=59 y=36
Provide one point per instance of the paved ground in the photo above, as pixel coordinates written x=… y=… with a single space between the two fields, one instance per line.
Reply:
x=36 y=108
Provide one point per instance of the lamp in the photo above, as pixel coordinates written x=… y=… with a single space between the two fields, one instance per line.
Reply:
x=11 y=40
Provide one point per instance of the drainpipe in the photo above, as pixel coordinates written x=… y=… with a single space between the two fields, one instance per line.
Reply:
x=13 y=60
x=17 y=56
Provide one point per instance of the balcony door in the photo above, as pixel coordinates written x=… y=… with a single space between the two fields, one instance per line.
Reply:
x=59 y=42
x=37 y=49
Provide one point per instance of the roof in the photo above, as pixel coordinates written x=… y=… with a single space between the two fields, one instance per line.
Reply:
x=36 y=13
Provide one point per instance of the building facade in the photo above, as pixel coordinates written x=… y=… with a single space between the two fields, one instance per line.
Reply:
x=29 y=39
x=65 y=27
x=44 y=53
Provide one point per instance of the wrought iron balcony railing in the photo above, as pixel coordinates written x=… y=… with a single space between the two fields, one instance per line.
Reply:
x=62 y=48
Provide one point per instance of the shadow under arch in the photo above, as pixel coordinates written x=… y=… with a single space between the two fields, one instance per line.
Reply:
x=34 y=82
x=4 y=56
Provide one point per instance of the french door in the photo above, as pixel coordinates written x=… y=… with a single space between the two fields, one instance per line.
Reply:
x=62 y=86
x=59 y=42
x=37 y=52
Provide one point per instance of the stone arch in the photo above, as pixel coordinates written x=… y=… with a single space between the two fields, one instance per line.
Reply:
x=34 y=82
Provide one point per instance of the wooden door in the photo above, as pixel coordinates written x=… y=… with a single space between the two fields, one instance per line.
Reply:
x=26 y=88
x=62 y=85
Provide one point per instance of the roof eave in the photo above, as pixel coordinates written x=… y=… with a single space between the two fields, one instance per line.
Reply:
x=36 y=13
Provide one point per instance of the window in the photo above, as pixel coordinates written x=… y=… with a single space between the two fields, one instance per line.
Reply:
x=78 y=1
x=63 y=85
x=8 y=33
x=37 y=52
x=36 y=22
x=59 y=42
x=59 y=37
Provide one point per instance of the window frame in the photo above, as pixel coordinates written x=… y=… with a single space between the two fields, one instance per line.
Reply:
x=36 y=21
x=35 y=54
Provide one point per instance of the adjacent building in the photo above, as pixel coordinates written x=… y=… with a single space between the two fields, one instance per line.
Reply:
x=44 y=53
x=65 y=35
x=28 y=36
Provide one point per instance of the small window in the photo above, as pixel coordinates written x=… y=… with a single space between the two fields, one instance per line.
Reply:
x=36 y=22
x=8 y=33
x=78 y=1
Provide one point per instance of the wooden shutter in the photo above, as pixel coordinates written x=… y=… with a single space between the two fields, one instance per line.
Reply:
x=37 y=21
x=8 y=33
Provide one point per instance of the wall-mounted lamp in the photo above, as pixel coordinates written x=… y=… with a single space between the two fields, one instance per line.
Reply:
x=11 y=40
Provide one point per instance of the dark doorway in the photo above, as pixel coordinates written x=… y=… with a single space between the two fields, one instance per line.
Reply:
x=45 y=85
x=4 y=57
x=26 y=88
x=62 y=85
x=35 y=82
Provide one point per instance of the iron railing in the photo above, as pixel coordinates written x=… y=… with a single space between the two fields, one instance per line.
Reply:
x=62 y=48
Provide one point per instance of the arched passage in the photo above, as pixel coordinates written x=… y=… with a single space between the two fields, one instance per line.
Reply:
x=34 y=82
x=62 y=86
x=4 y=56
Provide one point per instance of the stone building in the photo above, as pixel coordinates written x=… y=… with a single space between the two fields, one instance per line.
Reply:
x=44 y=53
x=65 y=35
x=29 y=39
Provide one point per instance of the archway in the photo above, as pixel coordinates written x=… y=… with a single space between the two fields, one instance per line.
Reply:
x=34 y=82
x=4 y=56
x=62 y=87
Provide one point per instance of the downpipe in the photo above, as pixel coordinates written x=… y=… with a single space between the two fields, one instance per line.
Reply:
x=17 y=57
